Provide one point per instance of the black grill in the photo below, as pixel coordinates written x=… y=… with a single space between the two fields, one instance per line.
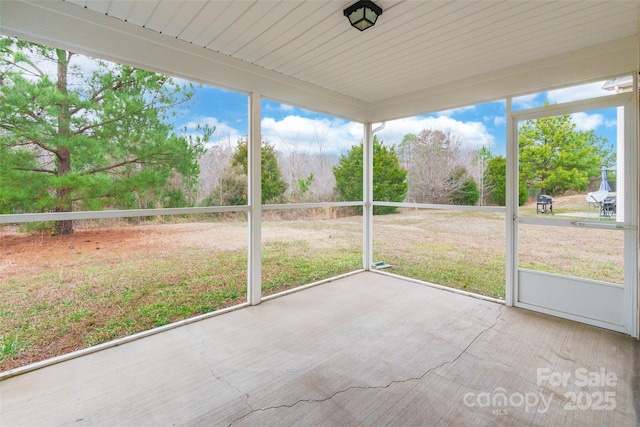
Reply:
x=544 y=203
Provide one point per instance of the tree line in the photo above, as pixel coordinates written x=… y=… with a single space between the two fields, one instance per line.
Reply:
x=101 y=137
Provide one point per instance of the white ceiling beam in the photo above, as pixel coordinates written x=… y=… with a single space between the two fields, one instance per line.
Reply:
x=585 y=65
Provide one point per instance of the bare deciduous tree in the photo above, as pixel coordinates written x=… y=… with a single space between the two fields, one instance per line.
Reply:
x=213 y=165
x=431 y=159
x=299 y=161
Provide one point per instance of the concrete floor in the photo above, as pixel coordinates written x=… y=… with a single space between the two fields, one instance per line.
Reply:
x=363 y=350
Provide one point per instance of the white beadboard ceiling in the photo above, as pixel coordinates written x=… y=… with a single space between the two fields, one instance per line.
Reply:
x=415 y=45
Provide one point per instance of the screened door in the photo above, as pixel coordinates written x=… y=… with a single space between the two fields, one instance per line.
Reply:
x=575 y=239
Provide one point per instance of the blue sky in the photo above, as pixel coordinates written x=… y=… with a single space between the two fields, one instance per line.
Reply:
x=284 y=126
x=479 y=125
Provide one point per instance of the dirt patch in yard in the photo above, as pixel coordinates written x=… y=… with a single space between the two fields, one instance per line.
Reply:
x=26 y=253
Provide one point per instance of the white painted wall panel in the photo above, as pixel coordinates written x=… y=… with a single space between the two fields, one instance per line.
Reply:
x=598 y=301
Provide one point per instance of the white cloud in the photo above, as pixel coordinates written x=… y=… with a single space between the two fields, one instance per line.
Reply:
x=575 y=93
x=525 y=101
x=496 y=120
x=455 y=111
x=474 y=134
x=586 y=121
x=339 y=135
x=283 y=108
x=224 y=133
x=314 y=135
x=558 y=96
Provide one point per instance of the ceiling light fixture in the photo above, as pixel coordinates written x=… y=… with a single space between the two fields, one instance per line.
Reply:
x=363 y=14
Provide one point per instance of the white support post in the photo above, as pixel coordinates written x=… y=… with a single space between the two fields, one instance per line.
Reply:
x=631 y=212
x=620 y=164
x=367 y=197
x=254 y=272
x=635 y=312
x=511 y=208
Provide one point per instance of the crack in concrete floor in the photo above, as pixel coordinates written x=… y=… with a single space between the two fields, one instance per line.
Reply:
x=381 y=387
x=203 y=351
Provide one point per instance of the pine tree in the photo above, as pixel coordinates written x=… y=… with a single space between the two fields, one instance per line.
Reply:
x=88 y=138
x=273 y=186
x=555 y=157
x=389 y=178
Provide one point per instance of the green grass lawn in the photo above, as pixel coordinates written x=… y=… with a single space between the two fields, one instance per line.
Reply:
x=55 y=305
x=63 y=309
x=458 y=249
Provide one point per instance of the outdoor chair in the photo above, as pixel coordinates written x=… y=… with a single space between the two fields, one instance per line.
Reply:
x=608 y=206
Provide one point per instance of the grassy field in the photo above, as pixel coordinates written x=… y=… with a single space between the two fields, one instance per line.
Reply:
x=462 y=250
x=59 y=294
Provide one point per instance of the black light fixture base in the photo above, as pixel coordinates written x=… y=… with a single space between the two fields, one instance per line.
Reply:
x=363 y=14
